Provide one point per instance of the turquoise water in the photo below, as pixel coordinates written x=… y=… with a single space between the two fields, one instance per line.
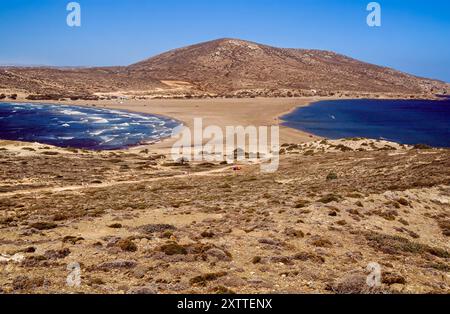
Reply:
x=402 y=121
x=81 y=127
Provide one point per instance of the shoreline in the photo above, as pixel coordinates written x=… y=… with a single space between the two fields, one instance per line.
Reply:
x=330 y=132
x=220 y=112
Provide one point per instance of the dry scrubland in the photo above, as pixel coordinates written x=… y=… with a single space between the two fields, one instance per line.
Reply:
x=138 y=223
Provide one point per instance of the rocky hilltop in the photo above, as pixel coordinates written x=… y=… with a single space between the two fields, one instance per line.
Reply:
x=229 y=65
x=223 y=67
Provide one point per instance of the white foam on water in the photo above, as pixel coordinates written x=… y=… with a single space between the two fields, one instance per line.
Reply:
x=99 y=120
x=72 y=112
x=97 y=133
x=114 y=128
x=107 y=139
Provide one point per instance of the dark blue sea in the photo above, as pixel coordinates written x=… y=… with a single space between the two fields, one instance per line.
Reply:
x=81 y=127
x=402 y=121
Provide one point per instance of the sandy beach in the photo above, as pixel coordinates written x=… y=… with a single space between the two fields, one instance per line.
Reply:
x=218 y=112
x=223 y=113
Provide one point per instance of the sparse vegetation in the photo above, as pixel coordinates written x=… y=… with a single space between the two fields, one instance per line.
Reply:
x=445 y=226
x=115 y=226
x=332 y=176
x=173 y=249
x=301 y=204
x=43 y=225
x=422 y=147
x=127 y=245
x=389 y=244
x=330 y=198
x=202 y=280
x=164 y=229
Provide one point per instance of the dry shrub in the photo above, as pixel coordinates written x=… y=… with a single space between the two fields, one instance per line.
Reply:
x=398 y=245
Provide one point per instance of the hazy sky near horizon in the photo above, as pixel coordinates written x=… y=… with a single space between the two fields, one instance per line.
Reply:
x=414 y=36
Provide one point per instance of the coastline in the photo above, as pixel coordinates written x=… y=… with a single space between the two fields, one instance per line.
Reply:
x=220 y=112
x=432 y=134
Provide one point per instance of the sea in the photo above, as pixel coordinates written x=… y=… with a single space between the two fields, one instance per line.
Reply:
x=81 y=127
x=403 y=121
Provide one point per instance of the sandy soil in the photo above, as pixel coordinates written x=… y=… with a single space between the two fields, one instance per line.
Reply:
x=136 y=222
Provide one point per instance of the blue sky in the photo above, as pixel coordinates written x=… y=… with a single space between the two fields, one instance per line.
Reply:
x=414 y=36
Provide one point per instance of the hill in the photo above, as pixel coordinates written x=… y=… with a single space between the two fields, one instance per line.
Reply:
x=224 y=67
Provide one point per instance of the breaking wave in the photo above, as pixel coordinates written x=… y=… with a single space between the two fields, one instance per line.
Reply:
x=81 y=127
